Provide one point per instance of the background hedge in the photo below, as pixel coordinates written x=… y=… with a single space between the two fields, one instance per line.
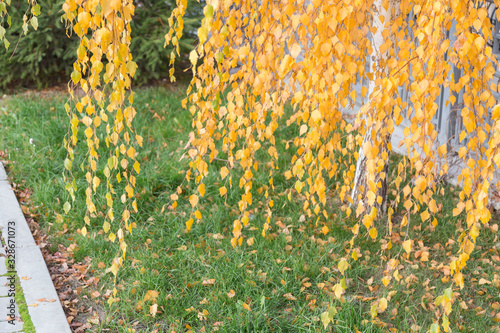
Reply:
x=45 y=57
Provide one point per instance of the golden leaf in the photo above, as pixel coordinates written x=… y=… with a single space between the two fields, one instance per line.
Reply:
x=407 y=245
x=201 y=189
x=295 y=50
x=193 y=200
x=343 y=265
x=382 y=305
x=189 y=224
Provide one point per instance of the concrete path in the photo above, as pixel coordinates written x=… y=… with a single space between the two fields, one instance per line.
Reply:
x=27 y=265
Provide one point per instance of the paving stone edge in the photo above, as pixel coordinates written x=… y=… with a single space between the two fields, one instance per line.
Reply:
x=45 y=311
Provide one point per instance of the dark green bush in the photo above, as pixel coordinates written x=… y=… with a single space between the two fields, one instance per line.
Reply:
x=45 y=57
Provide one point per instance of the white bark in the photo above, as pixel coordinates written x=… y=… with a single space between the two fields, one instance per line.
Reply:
x=360 y=178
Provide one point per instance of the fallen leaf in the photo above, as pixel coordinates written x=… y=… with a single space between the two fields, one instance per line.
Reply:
x=484 y=281
x=208 y=282
x=153 y=309
x=46 y=300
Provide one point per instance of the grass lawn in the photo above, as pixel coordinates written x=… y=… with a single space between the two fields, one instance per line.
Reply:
x=199 y=283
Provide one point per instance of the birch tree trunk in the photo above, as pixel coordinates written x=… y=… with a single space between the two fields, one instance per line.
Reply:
x=361 y=186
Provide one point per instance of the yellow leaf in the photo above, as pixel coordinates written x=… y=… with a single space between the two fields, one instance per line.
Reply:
x=425 y=215
x=298 y=186
x=316 y=115
x=193 y=57
x=295 y=50
x=131 y=152
x=224 y=172
x=338 y=290
x=250 y=241
x=139 y=140
x=247 y=307
x=303 y=129
x=407 y=245
x=115 y=5
x=382 y=305
x=84 y=20
x=325 y=230
x=137 y=167
x=201 y=189
x=386 y=280
x=193 y=200
x=231 y=293
x=285 y=65
x=222 y=191
x=197 y=214
x=189 y=224
x=373 y=233
x=343 y=265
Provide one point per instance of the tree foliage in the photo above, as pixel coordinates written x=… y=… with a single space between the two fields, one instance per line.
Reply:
x=255 y=58
x=311 y=54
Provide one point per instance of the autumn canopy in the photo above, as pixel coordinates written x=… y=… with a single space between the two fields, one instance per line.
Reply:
x=304 y=64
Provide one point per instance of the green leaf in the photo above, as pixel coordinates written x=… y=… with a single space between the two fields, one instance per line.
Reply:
x=446 y=323
x=325 y=319
x=373 y=310
x=434 y=328
x=111 y=163
x=219 y=57
x=36 y=10
x=76 y=76
x=332 y=311
x=343 y=284
x=67 y=164
x=6 y=43
x=209 y=11
x=66 y=207
x=131 y=67
x=2 y=32
x=34 y=22
x=448 y=294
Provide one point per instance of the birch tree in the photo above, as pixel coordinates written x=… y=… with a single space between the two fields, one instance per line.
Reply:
x=306 y=56
x=237 y=113
x=365 y=181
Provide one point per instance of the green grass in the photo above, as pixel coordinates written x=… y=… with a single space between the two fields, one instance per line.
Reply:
x=28 y=326
x=281 y=283
x=22 y=307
